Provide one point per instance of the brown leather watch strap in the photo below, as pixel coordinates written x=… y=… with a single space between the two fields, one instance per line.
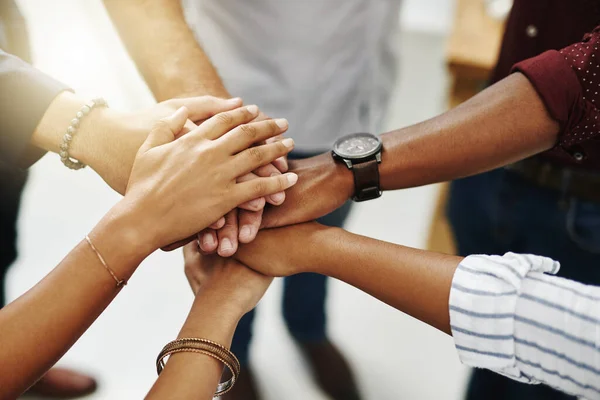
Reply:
x=366 y=180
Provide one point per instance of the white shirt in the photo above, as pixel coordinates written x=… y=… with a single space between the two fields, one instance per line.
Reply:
x=509 y=316
x=326 y=65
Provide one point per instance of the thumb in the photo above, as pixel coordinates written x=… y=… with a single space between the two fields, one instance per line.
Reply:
x=166 y=129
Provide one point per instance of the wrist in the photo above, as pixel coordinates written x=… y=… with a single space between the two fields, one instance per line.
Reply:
x=122 y=239
x=341 y=177
x=212 y=317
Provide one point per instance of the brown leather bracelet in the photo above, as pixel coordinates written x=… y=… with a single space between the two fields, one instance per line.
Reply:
x=206 y=347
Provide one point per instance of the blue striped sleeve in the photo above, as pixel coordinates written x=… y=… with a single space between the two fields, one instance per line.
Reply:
x=508 y=315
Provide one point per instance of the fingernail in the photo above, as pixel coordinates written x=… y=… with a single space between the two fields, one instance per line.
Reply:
x=253 y=109
x=245 y=232
x=208 y=240
x=226 y=245
x=234 y=100
x=278 y=197
x=282 y=123
x=292 y=178
x=289 y=142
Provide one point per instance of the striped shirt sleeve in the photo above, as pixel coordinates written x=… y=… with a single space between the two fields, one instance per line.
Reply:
x=508 y=315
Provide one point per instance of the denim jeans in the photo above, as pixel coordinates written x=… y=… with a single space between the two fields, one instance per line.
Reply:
x=497 y=212
x=303 y=298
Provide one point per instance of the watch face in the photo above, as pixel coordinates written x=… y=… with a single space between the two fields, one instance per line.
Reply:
x=357 y=146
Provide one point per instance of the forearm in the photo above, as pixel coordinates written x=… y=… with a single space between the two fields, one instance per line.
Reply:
x=505 y=123
x=192 y=375
x=106 y=140
x=413 y=281
x=174 y=64
x=42 y=324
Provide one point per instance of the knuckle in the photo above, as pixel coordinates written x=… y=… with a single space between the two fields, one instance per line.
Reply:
x=281 y=183
x=256 y=154
x=161 y=125
x=224 y=118
x=259 y=188
x=273 y=128
x=249 y=131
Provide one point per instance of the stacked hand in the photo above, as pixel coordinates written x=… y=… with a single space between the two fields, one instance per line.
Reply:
x=201 y=166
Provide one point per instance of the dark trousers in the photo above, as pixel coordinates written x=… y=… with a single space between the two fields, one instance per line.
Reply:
x=498 y=212
x=11 y=186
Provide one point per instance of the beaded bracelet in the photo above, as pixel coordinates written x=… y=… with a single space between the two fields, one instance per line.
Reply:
x=206 y=347
x=72 y=131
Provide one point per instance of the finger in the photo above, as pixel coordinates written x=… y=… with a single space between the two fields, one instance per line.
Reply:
x=207 y=240
x=252 y=205
x=203 y=107
x=281 y=163
x=228 y=235
x=215 y=127
x=187 y=128
x=265 y=171
x=178 y=244
x=244 y=136
x=254 y=157
x=249 y=222
x=219 y=224
x=260 y=187
x=165 y=129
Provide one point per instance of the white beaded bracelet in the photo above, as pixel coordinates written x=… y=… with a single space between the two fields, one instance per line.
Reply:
x=72 y=131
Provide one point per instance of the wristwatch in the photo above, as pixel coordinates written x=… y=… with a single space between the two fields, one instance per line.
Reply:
x=361 y=152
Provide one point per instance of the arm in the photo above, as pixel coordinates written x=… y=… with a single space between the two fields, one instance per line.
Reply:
x=225 y=290
x=414 y=281
x=174 y=65
x=35 y=110
x=549 y=102
x=504 y=313
x=52 y=315
x=502 y=124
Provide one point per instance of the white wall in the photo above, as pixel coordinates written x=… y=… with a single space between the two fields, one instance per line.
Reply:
x=433 y=16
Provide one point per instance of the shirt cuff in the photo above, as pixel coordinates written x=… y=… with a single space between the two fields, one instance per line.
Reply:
x=557 y=85
x=25 y=96
x=483 y=300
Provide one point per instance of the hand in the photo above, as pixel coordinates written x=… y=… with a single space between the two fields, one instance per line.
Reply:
x=241 y=225
x=290 y=250
x=112 y=149
x=229 y=280
x=323 y=186
x=180 y=187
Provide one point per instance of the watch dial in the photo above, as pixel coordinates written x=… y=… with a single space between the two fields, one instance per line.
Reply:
x=356 y=146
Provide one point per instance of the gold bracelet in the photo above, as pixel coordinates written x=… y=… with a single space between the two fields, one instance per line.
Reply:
x=120 y=282
x=206 y=347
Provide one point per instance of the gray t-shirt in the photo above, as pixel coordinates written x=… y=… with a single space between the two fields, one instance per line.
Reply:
x=326 y=65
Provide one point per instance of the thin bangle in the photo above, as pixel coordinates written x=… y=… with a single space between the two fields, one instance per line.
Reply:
x=120 y=282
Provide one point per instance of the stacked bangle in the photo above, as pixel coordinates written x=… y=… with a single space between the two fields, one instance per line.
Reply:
x=66 y=159
x=206 y=347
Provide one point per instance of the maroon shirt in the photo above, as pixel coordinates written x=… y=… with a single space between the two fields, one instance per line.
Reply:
x=567 y=80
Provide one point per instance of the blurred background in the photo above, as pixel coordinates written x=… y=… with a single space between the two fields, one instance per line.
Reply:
x=393 y=355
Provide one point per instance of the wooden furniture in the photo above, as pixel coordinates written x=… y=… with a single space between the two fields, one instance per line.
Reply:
x=472 y=51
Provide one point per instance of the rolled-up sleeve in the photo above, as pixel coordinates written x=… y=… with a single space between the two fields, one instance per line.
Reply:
x=568 y=81
x=508 y=315
x=25 y=94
